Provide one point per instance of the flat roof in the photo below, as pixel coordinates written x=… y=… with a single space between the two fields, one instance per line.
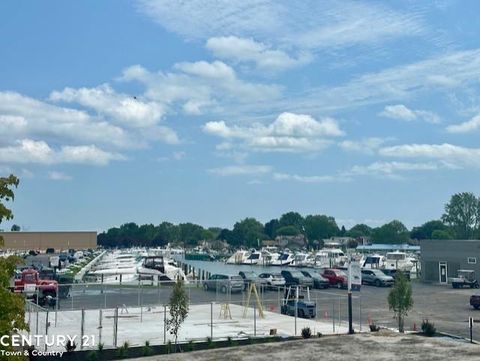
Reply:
x=388 y=247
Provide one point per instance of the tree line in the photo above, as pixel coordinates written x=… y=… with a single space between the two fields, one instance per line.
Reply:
x=461 y=220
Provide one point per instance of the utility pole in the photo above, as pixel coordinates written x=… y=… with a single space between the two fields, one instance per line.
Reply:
x=350 y=312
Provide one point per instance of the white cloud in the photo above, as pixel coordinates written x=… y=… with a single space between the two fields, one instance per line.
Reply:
x=122 y=108
x=30 y=151
x=241 y=50
x=27 y=117
x=465 y=127
x=289 y=132
x=451 y=156
x=366 y=146
x=391 y=168
x=401 y=112
x=305 y=24
x=309 y=179
x=243 y=169
x=59 y=176
x=198 y=87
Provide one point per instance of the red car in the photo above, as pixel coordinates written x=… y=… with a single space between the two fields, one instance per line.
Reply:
x=335 y=277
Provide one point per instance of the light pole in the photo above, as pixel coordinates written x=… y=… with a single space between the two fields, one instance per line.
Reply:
x=350 y=316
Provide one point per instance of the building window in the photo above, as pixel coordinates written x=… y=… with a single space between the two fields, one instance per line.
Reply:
x=472 y=260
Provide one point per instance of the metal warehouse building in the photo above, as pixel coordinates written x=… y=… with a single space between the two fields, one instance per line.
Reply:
x=43 y=240
x=441 y=259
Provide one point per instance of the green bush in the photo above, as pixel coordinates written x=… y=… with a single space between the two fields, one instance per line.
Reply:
x=147 y=350
x=100 y=347
x=169 y=346
x=122 y=351
x=306 y=332
x=191 y=345
x=92 y=356
x=428 y=328
x=210 y=343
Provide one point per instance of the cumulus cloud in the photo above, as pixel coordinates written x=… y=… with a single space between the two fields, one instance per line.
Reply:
x=59 y=176
x=465 y=127
x=241 y=50
x=122 y=108
x=309 y=179
x=243 y=169
x=366 y=146
x=201 y=86
x=30 y=151
x=289 y=132
x=401 y=112
x=450 y=155
x=27 y=117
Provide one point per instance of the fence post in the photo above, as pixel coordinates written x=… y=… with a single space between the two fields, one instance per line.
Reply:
x=115 y=327
x=211 y=320
x=57 y=304
x=164 y=324
x=254 y=319
x=360 y=311
x=82 y=328
x=296 y=309
x=46 y=330
x=333 y=315
x=36 y=328
x=100 y=316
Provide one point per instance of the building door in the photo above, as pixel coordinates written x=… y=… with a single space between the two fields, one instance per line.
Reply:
x=442 y=266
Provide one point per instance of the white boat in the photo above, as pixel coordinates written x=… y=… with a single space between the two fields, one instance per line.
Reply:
x=398 y=260
x=302 y=259
x=254 y=258
x=373 y=261
x=238 y=257
x=284 y=259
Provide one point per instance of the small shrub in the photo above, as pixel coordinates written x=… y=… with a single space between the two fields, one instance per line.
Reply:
x=191 y=345
x=210 y=343
x=122 y=351
x=169 y=346
x=374 y=328
x=147 y=350
x=428 y=328
x=92 y=356
x=306 y=332
x=70 y=346
x=319 y=334
x=100 y=347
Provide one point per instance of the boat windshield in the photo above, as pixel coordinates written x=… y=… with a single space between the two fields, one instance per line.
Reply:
x=396 y=256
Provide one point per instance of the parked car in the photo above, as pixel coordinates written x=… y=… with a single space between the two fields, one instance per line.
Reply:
x=336 y=277
x=475 y=301
x=305 y=309
x=50 y=251
x=272 y=279
x=393 y=273
x=296 y=278
x=318 y=280
x=224 y=283
x=465 y=278
x=376 y=277
x=249 y=277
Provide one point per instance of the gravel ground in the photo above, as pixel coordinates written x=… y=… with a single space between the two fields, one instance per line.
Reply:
x=384 y=345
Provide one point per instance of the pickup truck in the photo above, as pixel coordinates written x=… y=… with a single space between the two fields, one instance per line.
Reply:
x=41 y=290
x=336 y=277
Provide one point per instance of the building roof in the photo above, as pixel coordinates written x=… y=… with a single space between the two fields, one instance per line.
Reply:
x=388 y=247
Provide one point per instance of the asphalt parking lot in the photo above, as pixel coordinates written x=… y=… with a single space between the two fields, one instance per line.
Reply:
x=446 y=307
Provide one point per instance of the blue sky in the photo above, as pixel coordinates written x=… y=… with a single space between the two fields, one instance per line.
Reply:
x=212 y=111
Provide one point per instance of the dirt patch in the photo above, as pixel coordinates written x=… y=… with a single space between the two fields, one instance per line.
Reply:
x=371 y=346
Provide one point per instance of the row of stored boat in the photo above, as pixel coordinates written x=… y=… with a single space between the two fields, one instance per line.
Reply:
x=135 y=264
x=325 y=258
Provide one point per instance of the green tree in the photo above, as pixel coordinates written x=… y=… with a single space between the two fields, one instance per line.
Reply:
x=359 y=230
x=288 y=231
x=271 y=228
x=178 y=308
x=400 y=299
x=439 y=234
x=462 y=213
x=12 y=310
x=15 y=228
x=248 y=232
x=394 y=232
x=426 y=230
x=320 y=227
x=291 y=219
